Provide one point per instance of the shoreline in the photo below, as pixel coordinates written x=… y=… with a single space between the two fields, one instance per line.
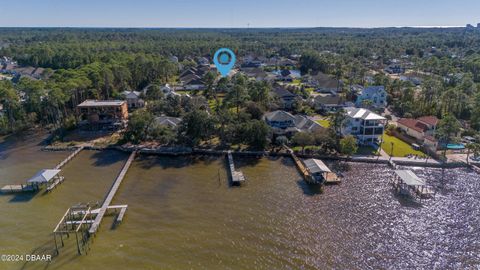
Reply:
x=185 y=151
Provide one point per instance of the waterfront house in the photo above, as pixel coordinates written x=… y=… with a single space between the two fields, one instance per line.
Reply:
x=364 y=124
x=421 y=129
x=103 y=112
x=418 y=128
x=376 y=94
x=133 y=99
x=286 y=97
x=284 y=123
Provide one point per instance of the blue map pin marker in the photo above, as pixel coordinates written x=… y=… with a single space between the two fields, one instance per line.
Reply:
x=224 y=60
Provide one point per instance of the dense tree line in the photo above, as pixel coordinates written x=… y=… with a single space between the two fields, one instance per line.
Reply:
x=101 y=63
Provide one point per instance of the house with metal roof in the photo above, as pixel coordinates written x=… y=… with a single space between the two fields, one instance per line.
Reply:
x=365 y=125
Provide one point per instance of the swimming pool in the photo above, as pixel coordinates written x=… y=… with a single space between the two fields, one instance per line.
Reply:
x=457 y=146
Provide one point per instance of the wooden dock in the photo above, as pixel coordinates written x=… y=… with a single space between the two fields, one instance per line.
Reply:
x=319 y=171
x=55 y=182
x=70 y=157
x=237 y=176
x=113 y=190
x=301 y=167
x=18 y=188
x=406 y=182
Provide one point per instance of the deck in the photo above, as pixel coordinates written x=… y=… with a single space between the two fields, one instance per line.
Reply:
x=237 y=176
x=17 y=188
x=69 y=158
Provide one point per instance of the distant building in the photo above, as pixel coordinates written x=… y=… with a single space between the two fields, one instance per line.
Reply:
x=376 y=94
x=167 y=121
x=203 y=61
x=192 y=78
x=256 y=73
x=133 y=99
x=323 y=83
x=287 y=98
x=365 y=125
x=284 y=123
x=328 y=102
x=395 y=69
x=103 y=112
x=174 y=59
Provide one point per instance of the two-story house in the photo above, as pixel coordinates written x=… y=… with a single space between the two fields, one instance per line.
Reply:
x=134 y=101
x=422 y=129
x=364 y=124
x=376 y=95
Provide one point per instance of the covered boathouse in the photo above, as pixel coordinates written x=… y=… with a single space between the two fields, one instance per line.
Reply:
x=407 y=182
x=320 y=172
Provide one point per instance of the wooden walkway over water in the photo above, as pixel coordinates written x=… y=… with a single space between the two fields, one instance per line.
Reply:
x=113 y=190
x=83 y=220
x=69 y=158
x=237 y=176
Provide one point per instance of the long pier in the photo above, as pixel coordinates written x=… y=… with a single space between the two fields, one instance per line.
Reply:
x=113 y=190
x=237 y=176
x=70 y=157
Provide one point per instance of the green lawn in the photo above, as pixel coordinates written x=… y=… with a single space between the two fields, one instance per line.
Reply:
x=324 y=123
x=400 y=148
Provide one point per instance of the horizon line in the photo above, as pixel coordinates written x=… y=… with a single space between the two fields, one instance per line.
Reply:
x=240 y=27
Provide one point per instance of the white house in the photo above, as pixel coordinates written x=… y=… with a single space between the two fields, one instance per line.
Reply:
x=364 y=124
x=376 y=94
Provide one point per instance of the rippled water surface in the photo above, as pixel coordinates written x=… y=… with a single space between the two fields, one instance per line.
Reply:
x=183 y=214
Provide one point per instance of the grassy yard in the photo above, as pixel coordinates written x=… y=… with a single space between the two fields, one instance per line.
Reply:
x=400 y=148
x=324 y=123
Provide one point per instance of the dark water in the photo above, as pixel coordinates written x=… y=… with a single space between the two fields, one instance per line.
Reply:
x=183 y=214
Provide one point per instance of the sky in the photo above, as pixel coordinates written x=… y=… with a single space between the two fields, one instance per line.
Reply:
x=238 y=14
